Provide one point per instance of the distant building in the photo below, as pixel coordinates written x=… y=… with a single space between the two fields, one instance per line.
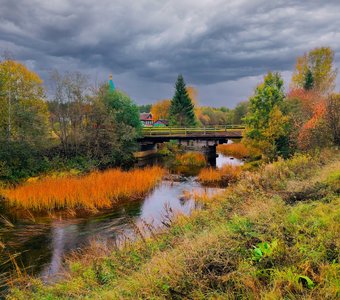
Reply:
x=161 y=123
x=111 y=84
x=146 y=119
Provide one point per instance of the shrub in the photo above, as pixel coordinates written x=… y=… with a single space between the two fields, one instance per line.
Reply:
x=298 y=167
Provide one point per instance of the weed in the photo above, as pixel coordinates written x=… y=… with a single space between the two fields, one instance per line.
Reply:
x=262 y=250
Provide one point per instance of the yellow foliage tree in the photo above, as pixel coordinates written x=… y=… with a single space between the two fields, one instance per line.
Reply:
x=160 y=109
x=319 y=62
x=192 y=92
x=23 y=111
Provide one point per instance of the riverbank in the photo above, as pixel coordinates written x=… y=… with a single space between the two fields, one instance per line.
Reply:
x=271 y=235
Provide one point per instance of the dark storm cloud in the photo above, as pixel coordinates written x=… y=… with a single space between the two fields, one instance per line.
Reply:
x=222 y=47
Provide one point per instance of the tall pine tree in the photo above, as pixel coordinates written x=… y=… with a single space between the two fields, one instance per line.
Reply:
x=308 y=80
x=182 y=109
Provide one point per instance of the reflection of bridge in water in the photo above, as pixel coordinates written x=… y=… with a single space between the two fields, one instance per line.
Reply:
x=204 y=139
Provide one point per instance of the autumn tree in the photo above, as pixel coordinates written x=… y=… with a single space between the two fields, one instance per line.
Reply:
x=315 y=70
x=332 y=117
x=23 y=111
x=215 y=116
x=304 y=108
x=266 y=127
x=114 y=127
x=240 y=111
x=182 y=110
x=69 y=106
x=161 y=109
x=24 y=130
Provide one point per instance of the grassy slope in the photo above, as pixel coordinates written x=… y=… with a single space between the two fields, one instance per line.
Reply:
x=273 y=235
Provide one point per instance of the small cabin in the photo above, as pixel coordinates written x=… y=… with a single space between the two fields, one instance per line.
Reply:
x=161 y=123
x=146 y=119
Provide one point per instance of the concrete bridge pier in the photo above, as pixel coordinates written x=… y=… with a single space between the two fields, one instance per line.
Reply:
x=210 y=153
x=146 y=150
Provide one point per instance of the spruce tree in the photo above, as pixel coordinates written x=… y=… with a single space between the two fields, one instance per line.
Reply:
x=181 y=109
x=308 y=80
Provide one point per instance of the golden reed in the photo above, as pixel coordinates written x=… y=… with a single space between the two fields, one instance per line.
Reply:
x=93 y=191
x=191 y=159
x=219 y=177
x=237 y=150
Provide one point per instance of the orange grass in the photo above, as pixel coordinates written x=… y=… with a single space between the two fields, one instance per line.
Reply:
x=237 y=150
x=191 y=159
x=93 y=191
x=219 y=177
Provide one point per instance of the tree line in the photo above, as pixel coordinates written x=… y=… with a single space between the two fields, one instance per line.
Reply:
x=89 y=128
x=79 y=127
x=307 y=117
x=184 y=110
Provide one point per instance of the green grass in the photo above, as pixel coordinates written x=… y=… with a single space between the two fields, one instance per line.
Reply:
x=256 y=241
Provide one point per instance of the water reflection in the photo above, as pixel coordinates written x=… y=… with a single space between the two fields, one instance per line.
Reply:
x=43 y=245
x=227 y=160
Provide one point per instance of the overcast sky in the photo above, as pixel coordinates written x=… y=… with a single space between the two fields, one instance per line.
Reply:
x=223 y=48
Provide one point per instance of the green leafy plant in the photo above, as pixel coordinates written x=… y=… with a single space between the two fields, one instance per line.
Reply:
x=262 y=250
x=306 y=281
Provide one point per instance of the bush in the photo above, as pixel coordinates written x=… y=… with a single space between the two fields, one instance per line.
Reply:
x=298 y=167
x=19 y=161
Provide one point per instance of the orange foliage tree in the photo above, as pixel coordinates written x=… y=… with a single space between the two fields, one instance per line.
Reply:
x=307 y=118
x=332 y=117
x=160 y=109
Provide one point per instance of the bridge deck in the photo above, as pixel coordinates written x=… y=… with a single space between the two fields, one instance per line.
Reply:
x=163 y=134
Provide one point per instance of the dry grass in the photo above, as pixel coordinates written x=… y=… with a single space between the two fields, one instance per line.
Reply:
x=191 y=159
x=94 y=191
x=237 y=150
x=219 y=177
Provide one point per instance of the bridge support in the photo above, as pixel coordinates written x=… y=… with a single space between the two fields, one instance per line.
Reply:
x=146 y=150
x=210 y=153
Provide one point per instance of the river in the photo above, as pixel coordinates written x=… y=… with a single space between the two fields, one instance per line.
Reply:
x=41 y=243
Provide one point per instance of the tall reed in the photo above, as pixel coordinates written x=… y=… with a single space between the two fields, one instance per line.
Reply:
x=237 y=150
x=191 y=159
x=93 y=191
x=219 y=177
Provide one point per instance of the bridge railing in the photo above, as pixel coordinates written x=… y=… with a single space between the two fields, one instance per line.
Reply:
x=149 y=131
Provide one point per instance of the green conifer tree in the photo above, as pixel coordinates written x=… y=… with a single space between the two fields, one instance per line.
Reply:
x=182 y=109
x=308 y=80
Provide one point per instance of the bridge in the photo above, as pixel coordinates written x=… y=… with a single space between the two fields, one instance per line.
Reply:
x=220 y=134
x=203 y=139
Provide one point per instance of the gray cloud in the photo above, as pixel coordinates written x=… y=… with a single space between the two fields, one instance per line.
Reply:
x=221 y=47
